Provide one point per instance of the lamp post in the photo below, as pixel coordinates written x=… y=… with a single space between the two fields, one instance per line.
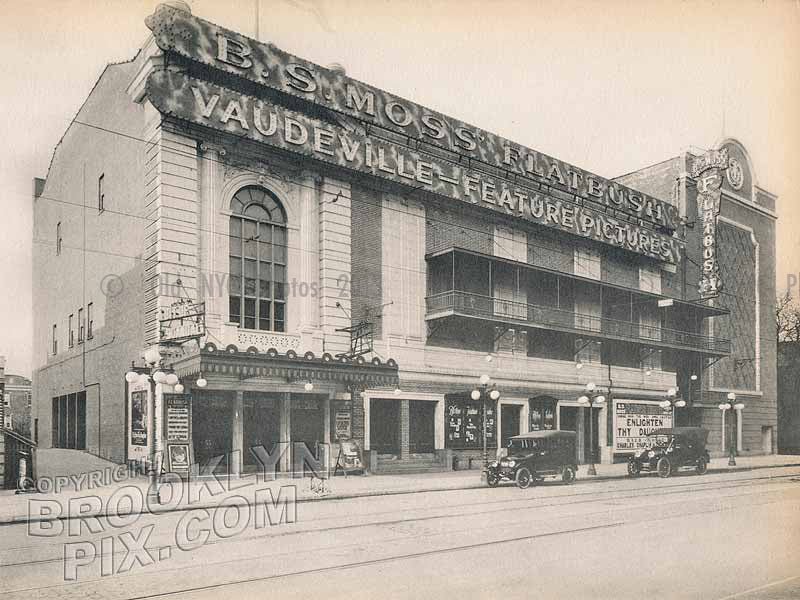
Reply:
x=592 y=397
x=731 y=404
x=153 y=357
x=480 y=394
x=671 y=402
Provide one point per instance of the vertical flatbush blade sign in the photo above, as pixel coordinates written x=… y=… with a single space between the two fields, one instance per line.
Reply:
x=708 y=171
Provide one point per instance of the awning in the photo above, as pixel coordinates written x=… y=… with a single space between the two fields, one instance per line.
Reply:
x=247 y=365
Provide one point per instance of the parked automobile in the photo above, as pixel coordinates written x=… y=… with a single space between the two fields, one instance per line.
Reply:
x=672 y=449
x=534 y=456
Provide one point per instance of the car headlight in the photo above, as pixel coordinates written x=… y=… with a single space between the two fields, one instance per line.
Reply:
x=651 y=454
x=494 y=464
x=512 y=463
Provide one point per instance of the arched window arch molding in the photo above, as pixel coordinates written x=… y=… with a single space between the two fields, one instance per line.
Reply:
x=272 y=184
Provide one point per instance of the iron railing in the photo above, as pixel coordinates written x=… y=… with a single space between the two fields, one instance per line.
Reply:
x=476 y=305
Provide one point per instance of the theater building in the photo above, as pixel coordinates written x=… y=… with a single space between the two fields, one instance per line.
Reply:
x=317 y=259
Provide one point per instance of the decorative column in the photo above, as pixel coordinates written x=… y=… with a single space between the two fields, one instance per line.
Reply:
x=309 y=256
x=212 y=286
x=237 y=456
x=581 y=435
x=286 y=431
x=334 y=264
x=405 y=425
x=439 y=420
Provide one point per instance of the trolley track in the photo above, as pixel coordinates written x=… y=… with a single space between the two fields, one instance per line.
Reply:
x=505 y=505
x=401 y=556
x=752 y=483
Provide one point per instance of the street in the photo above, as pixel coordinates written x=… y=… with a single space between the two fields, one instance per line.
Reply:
x=722 y=535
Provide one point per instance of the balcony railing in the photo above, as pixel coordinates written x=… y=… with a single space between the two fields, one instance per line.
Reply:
x=484 y=307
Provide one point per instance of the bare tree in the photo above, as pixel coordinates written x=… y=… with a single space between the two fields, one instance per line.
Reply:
x=787 y=319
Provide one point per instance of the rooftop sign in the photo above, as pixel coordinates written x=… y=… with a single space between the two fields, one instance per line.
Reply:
x=227 y=110
x=182 y=33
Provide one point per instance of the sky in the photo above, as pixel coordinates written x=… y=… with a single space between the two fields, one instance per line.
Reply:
x=608 y=86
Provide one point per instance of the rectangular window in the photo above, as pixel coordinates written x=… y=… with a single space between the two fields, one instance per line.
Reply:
x=650 y=279
x=587 y=263
x=58 y=238
x=80 y=325
x=55 y=339
x=101 y=193
x=89 y=320
x=71 y=332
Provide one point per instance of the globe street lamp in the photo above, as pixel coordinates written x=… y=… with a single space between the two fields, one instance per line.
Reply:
x=672 y=401
x=592 y=397
x=152 y=357
x=480 y=394
x=731 y=404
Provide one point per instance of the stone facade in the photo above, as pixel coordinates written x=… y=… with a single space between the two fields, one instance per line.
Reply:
x=444 y=284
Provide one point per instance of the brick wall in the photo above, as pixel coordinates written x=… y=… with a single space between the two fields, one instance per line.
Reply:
x=114 y=242
x=448 y=228
x=365 y=255
x=551 y=251
x=620 y=268
x=737 y=269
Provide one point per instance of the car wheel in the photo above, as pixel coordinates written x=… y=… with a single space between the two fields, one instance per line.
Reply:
x=702 y=466
x=524 y=478
x=568 y=475
x=664 y=467
x=492 y=479
x=634 y=470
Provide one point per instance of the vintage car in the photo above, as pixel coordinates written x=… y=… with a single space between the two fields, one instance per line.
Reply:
x=533 y=456
x=670 y=450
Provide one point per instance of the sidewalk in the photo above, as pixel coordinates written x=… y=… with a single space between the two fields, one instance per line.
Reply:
x=115 y=499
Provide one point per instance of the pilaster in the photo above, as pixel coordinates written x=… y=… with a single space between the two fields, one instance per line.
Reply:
x=334 y=264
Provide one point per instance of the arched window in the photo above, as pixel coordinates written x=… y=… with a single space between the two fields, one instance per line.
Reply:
x=257 y=283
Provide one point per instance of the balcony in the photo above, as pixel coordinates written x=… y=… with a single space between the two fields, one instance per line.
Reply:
x=465 y=304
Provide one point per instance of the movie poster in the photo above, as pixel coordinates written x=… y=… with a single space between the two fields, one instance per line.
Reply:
x=139 y=418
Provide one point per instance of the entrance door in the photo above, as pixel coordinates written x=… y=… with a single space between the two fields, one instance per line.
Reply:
x=212 y=424
x=421 y=415
x=509 y=422
x=384 y=425
x=308 y=421
x=591 y=434
x=261 y=425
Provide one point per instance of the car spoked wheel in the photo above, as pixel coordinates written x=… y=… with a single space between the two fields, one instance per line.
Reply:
x=664 y=467
x=492 y=479
x=634 y=470
x=702 y=466
x=568 y=475
x=524 y=478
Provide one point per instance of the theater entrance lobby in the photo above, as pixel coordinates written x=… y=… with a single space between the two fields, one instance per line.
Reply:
x=251 y=411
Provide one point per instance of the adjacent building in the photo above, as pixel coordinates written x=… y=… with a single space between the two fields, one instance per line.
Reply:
x=17 y=404
x=788 y=397
x=317 y=259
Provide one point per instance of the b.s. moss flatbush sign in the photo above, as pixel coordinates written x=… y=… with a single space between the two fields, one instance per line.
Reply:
x=440 y=154
x=227 y=110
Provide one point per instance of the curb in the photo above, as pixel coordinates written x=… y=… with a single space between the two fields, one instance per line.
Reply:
x=19 y=519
